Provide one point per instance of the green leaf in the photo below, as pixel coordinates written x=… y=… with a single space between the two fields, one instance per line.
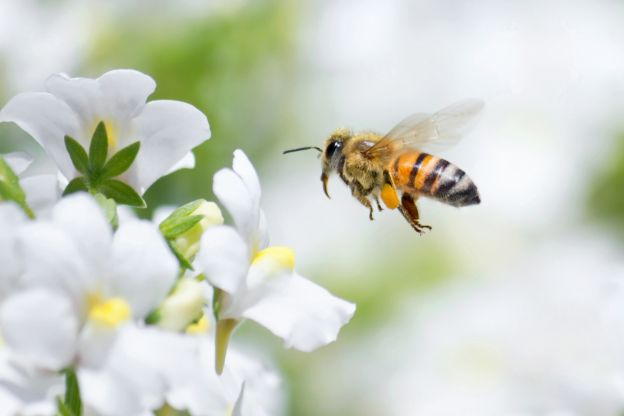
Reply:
x=10 y=189
x=110 y=209
x=98 y=148
x=75 y=185
x=77 y=154
x=121 y=192
x=72 y=392
x=121 y=161
x=174 y=229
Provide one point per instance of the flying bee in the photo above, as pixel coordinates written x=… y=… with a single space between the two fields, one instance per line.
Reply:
x=378 y=167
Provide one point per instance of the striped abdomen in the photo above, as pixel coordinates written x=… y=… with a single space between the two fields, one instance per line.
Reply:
x=428 y=175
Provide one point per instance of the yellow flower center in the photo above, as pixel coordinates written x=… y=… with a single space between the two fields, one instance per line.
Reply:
x=113 y=136
x=277 y=257
x=108 y=313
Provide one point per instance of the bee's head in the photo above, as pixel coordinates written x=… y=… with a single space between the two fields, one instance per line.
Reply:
x=332 y=153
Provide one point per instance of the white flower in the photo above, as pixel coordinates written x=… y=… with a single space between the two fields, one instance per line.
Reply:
x=80 y=286
x=179 y=369
x=258 y=282
x=167 y=129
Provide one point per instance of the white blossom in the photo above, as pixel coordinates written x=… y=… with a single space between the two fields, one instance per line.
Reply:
x=258 y=282
x=166 y=129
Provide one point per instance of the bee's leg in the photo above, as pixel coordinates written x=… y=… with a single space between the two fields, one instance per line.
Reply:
x=377 y=202
x=410 y=212
x=359 y=193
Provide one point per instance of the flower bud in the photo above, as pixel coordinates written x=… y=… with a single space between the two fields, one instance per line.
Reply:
x=185 y=226
x=182 y=307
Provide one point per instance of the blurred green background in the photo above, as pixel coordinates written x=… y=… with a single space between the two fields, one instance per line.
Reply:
x=272 y=75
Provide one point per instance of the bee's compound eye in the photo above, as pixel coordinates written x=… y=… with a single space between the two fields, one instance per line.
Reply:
x=332 y=147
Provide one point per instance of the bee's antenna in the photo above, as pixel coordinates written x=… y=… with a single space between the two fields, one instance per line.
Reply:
x=303 y=148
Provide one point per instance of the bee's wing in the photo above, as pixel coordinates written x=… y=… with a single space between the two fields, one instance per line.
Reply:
x=440 y=130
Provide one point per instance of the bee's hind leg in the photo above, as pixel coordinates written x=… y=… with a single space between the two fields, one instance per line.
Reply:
x=410 y=212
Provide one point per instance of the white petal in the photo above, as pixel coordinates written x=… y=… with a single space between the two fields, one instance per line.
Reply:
x=11 y=217
x=187 y=162
x=243 y=168
x=144 y=269
x=302 y=313
x=48 y=120
x=108 y=393
x=234 y=195
x=54 y=261
x=83 y=97
x=26 y=391
x=168 y=130
x=82 y=218
x=40 y=327
x=42 y=191
x=224 y=258
x=125 y=92
x=18 y=161
x=261 y=392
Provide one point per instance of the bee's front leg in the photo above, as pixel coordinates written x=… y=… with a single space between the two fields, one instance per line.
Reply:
x=357 y=190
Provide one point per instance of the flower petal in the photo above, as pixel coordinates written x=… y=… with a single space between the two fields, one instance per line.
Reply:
x=168 y=130
x=83 y=97
x=81 y=217
x=98 y=387
x=42 y=191
x=299 y=311
x=47 y=119
x=125 y=92
x=245 y=170
x=224 y=258
x=18 y=161
x=54 y=261
x=40 y=327
x=187 y=162
x=11 y=216
x=143 y=267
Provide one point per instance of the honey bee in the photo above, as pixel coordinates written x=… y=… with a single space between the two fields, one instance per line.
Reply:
x=380 y=167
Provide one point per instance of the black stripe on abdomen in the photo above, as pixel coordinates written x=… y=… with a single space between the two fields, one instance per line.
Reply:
x=416 y=167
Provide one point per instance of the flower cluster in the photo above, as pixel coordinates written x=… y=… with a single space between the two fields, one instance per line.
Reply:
x=108 y=314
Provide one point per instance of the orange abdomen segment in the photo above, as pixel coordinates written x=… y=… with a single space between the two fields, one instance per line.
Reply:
x=424 y=174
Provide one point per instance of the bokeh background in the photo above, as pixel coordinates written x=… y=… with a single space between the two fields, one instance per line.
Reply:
x=512 y=307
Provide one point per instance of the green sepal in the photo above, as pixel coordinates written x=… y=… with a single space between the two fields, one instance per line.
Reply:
x=216 y=302
x=76 y=185
x=121 y=192
x=153 y=318
x=62 y=408
x=184 y=211
x=110 y=209
x=98 y=148
x=183 y=261
x=72 y=400
x=173 y=229
x=121 y=161
x=10 y=189
x=77 y=154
